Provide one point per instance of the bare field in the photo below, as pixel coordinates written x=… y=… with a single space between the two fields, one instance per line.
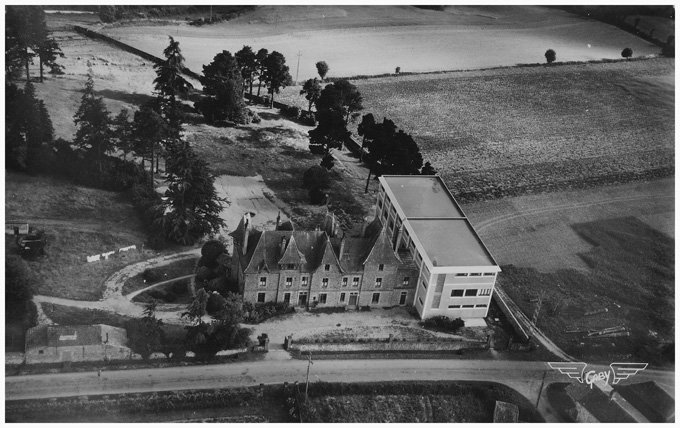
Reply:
x=376 y=39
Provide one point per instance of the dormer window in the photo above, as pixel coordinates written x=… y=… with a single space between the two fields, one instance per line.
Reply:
x=381 y=267
x=327 y=268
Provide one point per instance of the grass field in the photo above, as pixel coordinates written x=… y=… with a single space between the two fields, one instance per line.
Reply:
x=630 y=274
x=414 y=402
x=78 y=222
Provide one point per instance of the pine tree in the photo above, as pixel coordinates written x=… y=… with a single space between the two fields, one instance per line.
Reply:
x=169 y=83
x=122 y=130
x=94 y=124
x=192 y=208
x=276 y=74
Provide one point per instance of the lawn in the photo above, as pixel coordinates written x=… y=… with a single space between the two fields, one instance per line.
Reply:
x=78 y=222
x=166 y=272
x=67 y=315
x=630 y=273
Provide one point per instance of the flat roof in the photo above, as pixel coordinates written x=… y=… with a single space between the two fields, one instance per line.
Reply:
x=451 y=242
x=422 y=196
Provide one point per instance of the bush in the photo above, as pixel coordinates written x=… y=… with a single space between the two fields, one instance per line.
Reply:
x=151 y=276
x=442 y=323
x=256 y=313
x=316 y=177
x=316 y=196
x=308 y=118
x=211 y=250
x=163 y=295
x=252 y=116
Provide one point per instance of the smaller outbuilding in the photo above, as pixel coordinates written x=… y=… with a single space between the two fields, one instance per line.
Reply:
x=64 y=343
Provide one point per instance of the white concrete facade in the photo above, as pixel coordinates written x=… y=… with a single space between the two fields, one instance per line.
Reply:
x=457 y=274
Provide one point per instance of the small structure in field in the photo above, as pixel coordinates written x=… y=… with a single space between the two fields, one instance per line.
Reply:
x=64 y=343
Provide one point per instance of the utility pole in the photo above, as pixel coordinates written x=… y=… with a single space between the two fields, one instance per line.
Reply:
x=309 y=363
x=298 y=67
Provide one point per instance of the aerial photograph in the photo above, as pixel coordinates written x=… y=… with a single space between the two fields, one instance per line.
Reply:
x=400 y=213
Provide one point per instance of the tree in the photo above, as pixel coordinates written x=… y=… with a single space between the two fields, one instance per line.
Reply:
x=247 y=61
x=322 y=68
x=149 y=131
x=169 y=83
x=316 y=177
x=20 y=284
x=191 y=208
x=627 y=53
x=276 y=74
x=93 y=123
x=260 y=60
x=210 y=251
x=48 y=52
x=341 y=96
x=365 y=129
x=146 y=335
x=197 y=308
x=668 y=49
x=312 y=91
x=222 y=79
x=428 y=169
x=25 y=31
x=123 y=129
x=330 y=132
x=28 y=127
x=550 y=56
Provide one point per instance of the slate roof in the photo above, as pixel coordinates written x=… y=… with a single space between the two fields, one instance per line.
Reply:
x=291 y=253
x=263 y=250
x=597 y=403
x=650 y=399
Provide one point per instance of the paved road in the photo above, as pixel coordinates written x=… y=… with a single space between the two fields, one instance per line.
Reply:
x=523 y=376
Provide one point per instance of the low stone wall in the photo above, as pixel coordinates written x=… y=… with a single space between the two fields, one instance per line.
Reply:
x=384 y=345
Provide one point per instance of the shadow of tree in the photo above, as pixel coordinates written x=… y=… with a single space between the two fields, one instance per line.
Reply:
x=134 y=98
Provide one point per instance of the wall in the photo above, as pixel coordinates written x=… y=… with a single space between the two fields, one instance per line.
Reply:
x=77 y=353
x=449 y=345
x=502 y=300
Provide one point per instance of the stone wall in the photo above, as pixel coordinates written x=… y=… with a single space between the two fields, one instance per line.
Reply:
x=385 y=345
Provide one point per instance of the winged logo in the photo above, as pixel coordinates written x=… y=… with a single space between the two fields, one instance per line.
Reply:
x=623 y=371
x=573 y=370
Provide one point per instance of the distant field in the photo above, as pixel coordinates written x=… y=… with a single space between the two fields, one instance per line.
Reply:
x=376 y=39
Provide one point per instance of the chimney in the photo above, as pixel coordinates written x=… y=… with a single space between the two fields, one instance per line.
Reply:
x=342 y=247
x=333 y=233
x=246 y=232
x=278 y=221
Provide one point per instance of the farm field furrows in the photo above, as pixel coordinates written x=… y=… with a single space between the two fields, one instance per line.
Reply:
x=536 y=127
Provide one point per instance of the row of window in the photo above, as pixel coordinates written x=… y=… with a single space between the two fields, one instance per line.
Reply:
x=483 y=305
x=326 y=268
x=324 y=281
x=471 y=292
x=477 y=274
x=323 y=298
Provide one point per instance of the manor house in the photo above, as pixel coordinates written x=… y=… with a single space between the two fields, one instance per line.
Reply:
x=420 y=250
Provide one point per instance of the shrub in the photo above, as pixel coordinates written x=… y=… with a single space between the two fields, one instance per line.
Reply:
x=316 y=196
x=316 y=177
x=211 y=250
x=444 y=324
x=550 y=56
x=256 y=313
x=308 y=118
x=294 y=112
x=151 y=276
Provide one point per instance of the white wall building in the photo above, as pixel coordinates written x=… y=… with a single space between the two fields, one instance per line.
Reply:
x=457 y=274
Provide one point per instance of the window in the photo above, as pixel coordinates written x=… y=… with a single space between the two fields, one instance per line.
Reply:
x=381 y=267
x=289 y=281
x=420 y=301
x=406 y=280
x=378 y=282
x=461 y=274
x=41 y=351
x=457 y=293
x=424 y=285
x=454 y=306
x=286 y=298
x=489 y=273
x=290 y=266
x=344 y=281
x=391 y=225
x=471 y=292
x=355 y=281
x=324 y=283
x=260 y=297
x=468 y=306
x=304 y=281
x=342 y=297
x=380 y=204
x=376 y=298
x=263 y=281
x=483 y=305
x=476 y=274
x=327 y=268
x=485 y=292
x=322 y=298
